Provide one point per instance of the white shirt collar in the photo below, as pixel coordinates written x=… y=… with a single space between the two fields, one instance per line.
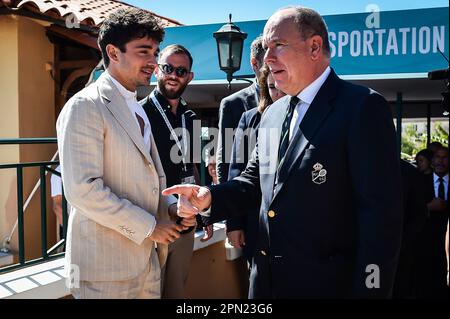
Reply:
x=127 y=95
x=135 y=108
x=308 y=94
x=436 y=178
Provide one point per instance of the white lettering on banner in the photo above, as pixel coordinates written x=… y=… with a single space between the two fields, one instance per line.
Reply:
x=342 y=42
x=404 y=41
x=439 y=38
x=424 y=40
x=380 y=33
x=332 y=38
x=355 y=37
x=392 y=43
x=368 y=40
x=404 y=32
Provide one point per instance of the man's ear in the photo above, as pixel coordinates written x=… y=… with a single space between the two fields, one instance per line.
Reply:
x=316 y=44
x=112 y=52
x=254 y=64
x=190 y=76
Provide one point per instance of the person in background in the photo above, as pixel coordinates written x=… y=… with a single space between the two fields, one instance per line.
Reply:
x=56 y=193
x=431 y=260
x=434 y=146
x=242 y=230
x=231 y=109
x=210 y=163
x=423 y=161
x=172 y=127
x=415 y=215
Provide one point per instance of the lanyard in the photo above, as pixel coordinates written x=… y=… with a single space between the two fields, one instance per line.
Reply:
x=172 y=131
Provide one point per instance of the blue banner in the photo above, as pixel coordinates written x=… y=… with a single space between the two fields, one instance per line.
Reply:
x=381 y=43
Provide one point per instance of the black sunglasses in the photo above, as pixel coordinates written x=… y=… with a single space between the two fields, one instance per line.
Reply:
x=169 y=68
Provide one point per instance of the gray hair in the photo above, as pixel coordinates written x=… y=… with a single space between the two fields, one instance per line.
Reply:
x=257 y=50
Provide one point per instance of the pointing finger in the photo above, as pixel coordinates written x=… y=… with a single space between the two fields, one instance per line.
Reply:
x=179 y=189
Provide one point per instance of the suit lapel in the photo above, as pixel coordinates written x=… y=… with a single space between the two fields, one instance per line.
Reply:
x=268 y=144
x=313 y=120
x=117 y=106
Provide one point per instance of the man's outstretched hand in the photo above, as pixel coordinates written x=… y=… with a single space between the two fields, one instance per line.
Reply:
x=192 y=199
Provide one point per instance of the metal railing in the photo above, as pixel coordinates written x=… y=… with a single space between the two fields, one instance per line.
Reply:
x=44 y=167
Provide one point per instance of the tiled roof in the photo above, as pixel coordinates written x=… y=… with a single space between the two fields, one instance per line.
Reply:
x=87 y=12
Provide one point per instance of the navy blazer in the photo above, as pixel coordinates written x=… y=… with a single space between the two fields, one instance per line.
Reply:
x=230 y=112
x=320 y=235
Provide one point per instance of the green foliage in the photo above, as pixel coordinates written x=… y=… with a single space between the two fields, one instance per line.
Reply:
x=413 y=141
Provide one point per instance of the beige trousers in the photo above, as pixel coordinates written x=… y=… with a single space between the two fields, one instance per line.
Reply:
x=146 y=286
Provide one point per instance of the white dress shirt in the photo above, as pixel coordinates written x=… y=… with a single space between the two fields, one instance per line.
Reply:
x=436 y=185
x=306 y=97
x=135 y=108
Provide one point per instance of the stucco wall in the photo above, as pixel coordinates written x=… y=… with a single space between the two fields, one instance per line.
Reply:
x=27 y=107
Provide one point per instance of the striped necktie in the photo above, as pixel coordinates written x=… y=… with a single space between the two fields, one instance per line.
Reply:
x=284 y=139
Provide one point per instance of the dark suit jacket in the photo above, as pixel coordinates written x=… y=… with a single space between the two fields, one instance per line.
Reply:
x=415 y=215
x=244 y=142
x=431 y=261
x=231 y=109
x=317 y=240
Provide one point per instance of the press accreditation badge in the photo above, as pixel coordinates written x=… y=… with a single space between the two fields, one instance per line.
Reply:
x=187 y=177
x=188 y=180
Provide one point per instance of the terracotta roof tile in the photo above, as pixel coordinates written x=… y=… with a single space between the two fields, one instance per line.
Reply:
x=88 y=12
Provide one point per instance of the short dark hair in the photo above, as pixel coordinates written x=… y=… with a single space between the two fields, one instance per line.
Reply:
x=256 y=49
x=125 y=25
x=311 y=23
x=426 y=153
x=178 y=49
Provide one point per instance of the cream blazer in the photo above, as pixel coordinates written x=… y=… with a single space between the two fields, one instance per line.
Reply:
x=113 y=185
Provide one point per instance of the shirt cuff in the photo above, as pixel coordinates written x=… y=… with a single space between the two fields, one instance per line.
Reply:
x=206 y=213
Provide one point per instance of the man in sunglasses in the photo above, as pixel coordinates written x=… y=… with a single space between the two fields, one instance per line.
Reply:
x=172 y=127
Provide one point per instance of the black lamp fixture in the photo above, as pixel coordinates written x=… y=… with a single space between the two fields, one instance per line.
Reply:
x=230 y=42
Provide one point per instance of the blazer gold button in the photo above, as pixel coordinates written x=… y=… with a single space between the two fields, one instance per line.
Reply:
x=271 y=214
x=263 y=253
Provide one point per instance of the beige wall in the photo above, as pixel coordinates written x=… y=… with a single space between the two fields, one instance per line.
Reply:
x=212 y=276
x=32 y=115
x=9 y=119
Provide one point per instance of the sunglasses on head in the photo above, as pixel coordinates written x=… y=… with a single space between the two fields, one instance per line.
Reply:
x=168 y=69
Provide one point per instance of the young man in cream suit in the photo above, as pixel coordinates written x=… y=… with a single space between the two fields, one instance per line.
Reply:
x=119 y=226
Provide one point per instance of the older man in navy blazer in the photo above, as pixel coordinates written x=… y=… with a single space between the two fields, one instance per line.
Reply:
x=327 y=169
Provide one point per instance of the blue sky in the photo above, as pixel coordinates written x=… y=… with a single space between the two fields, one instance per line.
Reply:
x=212 y=11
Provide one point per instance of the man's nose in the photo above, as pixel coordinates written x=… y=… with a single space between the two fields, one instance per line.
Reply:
x=269 y=56
x=152 y=61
